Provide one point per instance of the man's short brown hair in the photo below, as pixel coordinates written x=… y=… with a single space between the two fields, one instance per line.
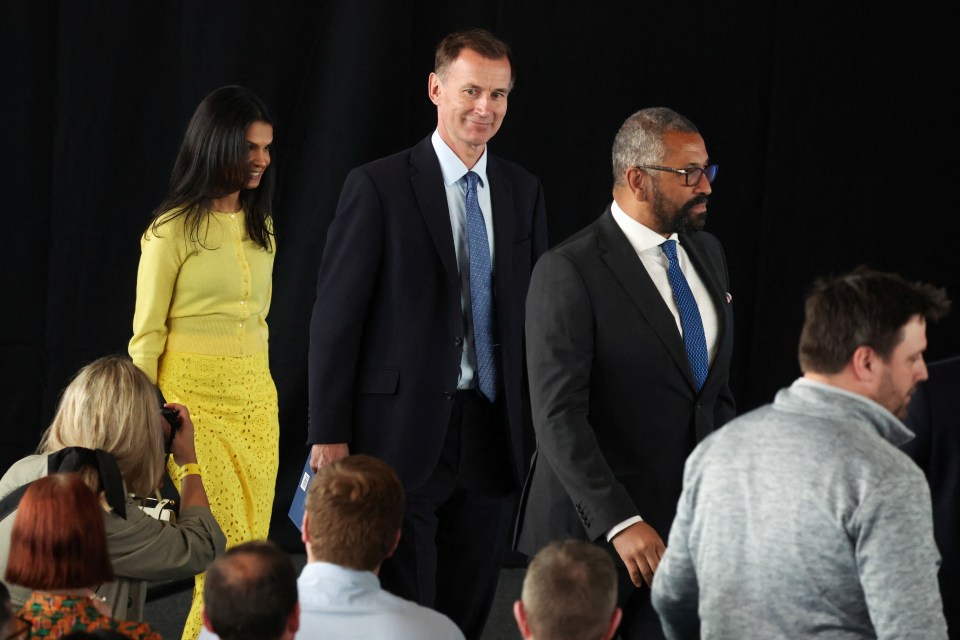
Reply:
x=355 y=507
x=250 y=592
x=480 y=40
x=862 y=308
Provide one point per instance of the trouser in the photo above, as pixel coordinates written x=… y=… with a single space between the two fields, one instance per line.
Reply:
x=456 y=525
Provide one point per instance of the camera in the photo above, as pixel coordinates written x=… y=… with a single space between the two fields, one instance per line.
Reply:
x=157 y=507
x=172 y=416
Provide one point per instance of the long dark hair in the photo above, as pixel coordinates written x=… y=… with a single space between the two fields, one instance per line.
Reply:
x=213 y=162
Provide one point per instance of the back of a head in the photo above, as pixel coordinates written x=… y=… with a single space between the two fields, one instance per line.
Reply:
x=355 y=509
x=250 y=592
x=570 y=591
x=863 y=307
x=51 y=550
x=112 y=405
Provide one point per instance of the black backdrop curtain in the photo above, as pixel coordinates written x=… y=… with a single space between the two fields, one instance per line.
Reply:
x=833 y=125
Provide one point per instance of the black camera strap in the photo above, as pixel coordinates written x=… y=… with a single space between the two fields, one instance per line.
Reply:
x=72 y=459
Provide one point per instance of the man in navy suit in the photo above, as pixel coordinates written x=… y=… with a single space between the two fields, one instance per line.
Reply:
x=934 y=416
x=392 y=363
x=617 y=401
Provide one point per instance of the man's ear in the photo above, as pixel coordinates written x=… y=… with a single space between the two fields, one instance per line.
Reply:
x=434 y=88
x=638 y=181
x=614 y=623
x=863 y=363
x=293 y=621
x=396 y=543
x=206 y=620
x=520 y=615
x=305 y=528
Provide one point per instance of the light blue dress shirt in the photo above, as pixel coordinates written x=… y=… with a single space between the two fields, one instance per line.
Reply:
x=455 y=185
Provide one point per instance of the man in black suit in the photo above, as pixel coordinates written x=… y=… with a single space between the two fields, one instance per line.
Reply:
x=617 y=402
x=393 y=366
x=934 y=416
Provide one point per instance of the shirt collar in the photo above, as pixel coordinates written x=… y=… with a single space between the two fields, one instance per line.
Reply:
x=887 y=425
x=452 y=167
x=641 y=237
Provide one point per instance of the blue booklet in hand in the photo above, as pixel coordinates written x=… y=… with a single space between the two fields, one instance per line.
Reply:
x=300 y=497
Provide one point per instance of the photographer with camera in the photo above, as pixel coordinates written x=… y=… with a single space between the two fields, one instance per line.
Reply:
x=110 y=429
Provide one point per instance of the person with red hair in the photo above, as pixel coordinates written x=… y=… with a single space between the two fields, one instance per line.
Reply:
x=110 y=430
x=62 y=556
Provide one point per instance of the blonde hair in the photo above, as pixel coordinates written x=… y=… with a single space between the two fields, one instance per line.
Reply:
x=111 y=405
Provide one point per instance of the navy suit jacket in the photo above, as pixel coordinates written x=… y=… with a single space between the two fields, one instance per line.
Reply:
x=935 y=419
x=615 y=406
x=386 y=334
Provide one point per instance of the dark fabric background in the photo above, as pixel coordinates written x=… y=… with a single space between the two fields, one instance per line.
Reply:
x=833 y=125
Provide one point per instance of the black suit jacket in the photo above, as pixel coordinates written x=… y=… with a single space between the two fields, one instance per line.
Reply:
x=935 y=419
x=387 y=330
x=615 y=406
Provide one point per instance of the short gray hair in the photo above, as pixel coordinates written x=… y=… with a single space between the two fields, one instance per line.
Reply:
x=640 y=138
x=570 y=591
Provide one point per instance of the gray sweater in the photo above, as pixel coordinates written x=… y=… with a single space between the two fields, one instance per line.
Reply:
x=802 y=519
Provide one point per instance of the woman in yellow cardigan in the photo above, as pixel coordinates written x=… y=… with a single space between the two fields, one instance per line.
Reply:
x=203 y=292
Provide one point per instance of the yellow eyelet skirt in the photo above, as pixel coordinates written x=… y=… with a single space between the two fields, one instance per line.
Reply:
x=233 y=405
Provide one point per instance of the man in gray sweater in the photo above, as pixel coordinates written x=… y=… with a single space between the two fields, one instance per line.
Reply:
x=802 y=518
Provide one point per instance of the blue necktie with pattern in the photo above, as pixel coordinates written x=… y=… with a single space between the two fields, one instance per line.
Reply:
x=481 y=292
x=693 y=338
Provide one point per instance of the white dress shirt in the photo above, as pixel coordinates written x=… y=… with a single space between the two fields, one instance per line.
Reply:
x=337 y=603
x=646 y=242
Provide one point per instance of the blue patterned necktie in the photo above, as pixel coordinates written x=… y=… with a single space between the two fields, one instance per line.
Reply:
x=693 y=338
x=481 y=292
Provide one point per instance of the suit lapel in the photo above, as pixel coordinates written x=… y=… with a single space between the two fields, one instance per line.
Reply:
x=501 y=198
x=628 y=270
x=709 y=276
x=708 y=273
x=427 y=182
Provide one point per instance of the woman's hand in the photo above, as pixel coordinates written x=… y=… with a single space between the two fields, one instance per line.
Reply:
x=183 y=448
x=184 y=452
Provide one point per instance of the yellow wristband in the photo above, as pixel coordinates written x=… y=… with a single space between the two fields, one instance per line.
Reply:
x=189 y=469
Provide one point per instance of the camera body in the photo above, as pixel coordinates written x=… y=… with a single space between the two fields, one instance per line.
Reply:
x=172 y=416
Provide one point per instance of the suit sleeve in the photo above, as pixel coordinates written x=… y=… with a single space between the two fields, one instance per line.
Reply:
x=560 y=331
x=345 y=285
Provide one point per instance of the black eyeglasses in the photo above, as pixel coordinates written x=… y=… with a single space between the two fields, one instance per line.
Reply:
x=691 y=177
